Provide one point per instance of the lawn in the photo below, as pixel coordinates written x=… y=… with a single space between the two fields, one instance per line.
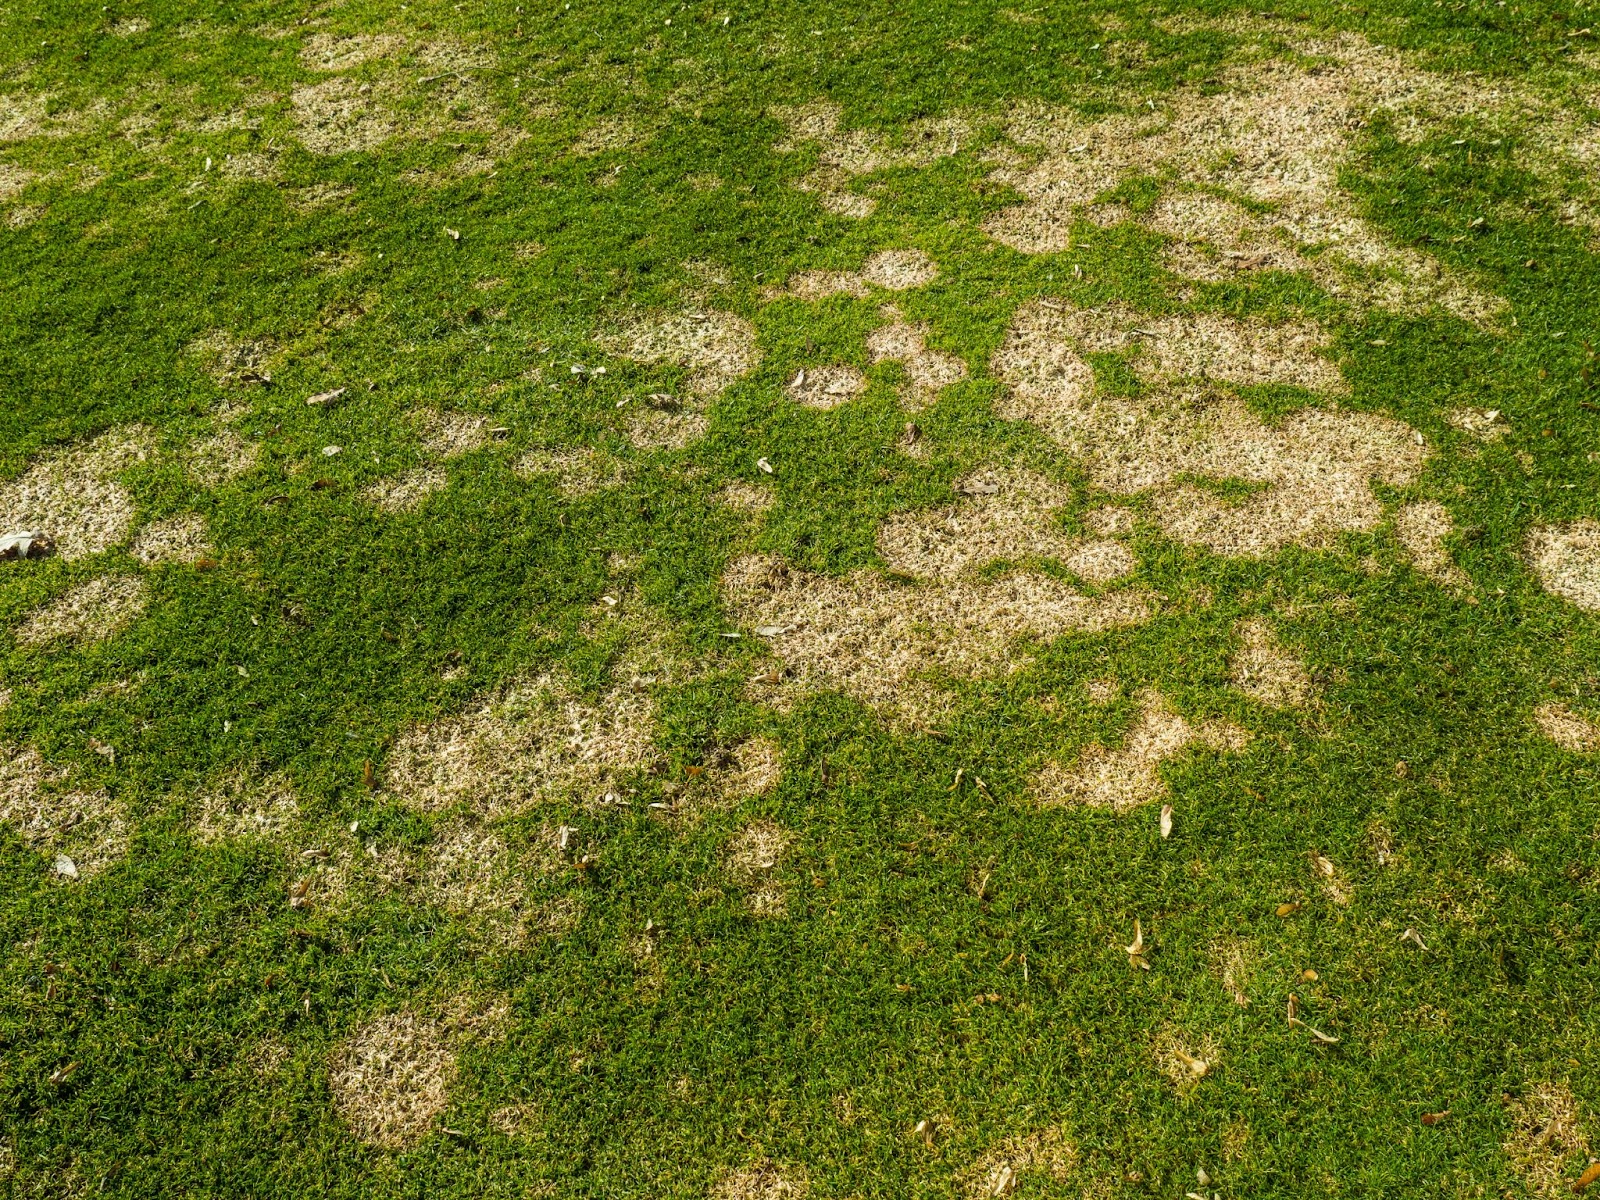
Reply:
x=799 y=601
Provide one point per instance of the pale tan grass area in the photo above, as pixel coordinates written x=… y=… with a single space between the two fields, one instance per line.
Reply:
x=716 y=348
x=222 y=458
x=1314 y=470
x=1005 y=515
x=81 y=831
x=927 y=371
x=245 y=804
x=746 y=497
x=763 y=1181
x=1485 y=424
x=752 y=857
x=574 y=472
x=448 y=434
x=1184 y=1058
x=232 y=361
x=341 y=116
x=14 y=180
x=182 y=539
x=25 y=117
x=73 y=494
x=1045 y=1157
x=340 y=52
x=1265 y=670
x=90 y=612
x=892 y=270
x=1567 y=729
x=1547 y=1143
x=1129 y=776
x=844 y=154
x=406 y=491
x=529 y=741
x=1421 y=528
x=876 y=640
x=1566 y=559
x=826 y=386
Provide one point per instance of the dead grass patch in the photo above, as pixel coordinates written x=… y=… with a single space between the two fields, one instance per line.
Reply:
x=406 y=491
x=1566 y=558
x=1546 y=1141
x=246 y=805
x=746 y=497
x=25 y=117
x=1183 y=1058
x=665 y=426
x=319 y=196
x=340 y=116
x=1130 y=776
x=81 y=831
x=392 y=1077
x=892 y=270
x=14 y=180
x=716 y=348
x=1111 y=521
x=449 y=434
x=878 y=640
x=574 y=472
x=764 y=1181
x=90 y=612
x=826 y=387
x=752 y=858
x=927 y=371
x=221 y=459
x=515 y=1120
x=844 y=154
x=24 y=215
x=470 y=872
x=1047 y=1155
x=1314 y=469
x=231 y=361
x=1421 y=528
x=1234 y=962
x=73 y=493
x=263 y=168
x=1263 y=669
x=526 y=742
x=340 y=52
x=1567 y=729
x=755 y=769
x=1004 y=516
x=182 y=539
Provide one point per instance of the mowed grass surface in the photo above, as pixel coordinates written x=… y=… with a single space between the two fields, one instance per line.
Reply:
x=947 y=951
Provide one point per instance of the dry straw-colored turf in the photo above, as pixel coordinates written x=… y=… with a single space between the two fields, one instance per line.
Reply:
x=927 y=371
x=222 y=458
x=1421 y=528
x=1567 y=729
x=1046 y=1157
x=1566 y=558
x=763 y=1181
x=891 y=270
x=89 y=612
x=746 y=497
x=1263 y=669
x=341 y=116
x=1547 y=1142
x=182 y=539
x=80 y=831
x=1183 y=1058
x=407 y=491
x=826 y=386
x=231 y=361
x=73 y=494
x=752 y=858
x=447 y=434
x=716 y=348
x=574 y=472
x=244 y=804
x=876 y=639
x=391 y=1079
x=526 y=742
x=1129 y=776
x=1313 y=471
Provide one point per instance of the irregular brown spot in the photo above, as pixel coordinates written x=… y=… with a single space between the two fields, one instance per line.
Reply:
x=24 y=117
x=221 y=459
x=57 y=820
x=1566 y=558
x=1005 y=515
x=1184 y=1058
x=764 y=1181
x=1421 y=528
x=666 y=426
x=1546 y=1142
x=246 y=805
x=231 y=361
x=928 y=371
x=756 y=767
x=1128 y=777
x=448 y=434
x=1314 y=470
x=893 y=270
x=842 y=155
x=73 y=494
x=391 y=1079
x=575 y=472
x=752 y=858
x=1234 y=962
x=1045 y=1156
x=1111 y=520
x=340 y=52
x=826 y=387
x=341 y=116
x=876 y=640
x=470 y=872
x=1567 y=729
x=746 y=497
x=1485 y=424
x=515 y=1120
x=13 y=180
x=521 y=744
x=716 y=348
x=89 y=612
x=406 y=491
x=1102 y=691
x=181 y=539
x=1264 y=670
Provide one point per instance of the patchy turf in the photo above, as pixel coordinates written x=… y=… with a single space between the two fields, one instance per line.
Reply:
x=827 y=601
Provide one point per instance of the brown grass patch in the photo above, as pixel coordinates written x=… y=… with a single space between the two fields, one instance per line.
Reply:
x=1101 y=691
x=755 y=769
x=340 y=52
x=752 y=858
x=391 y=1079
x=1046 y=1156
x=716 y=348
x=1566 y=558
x=90 y=612
x=1184 y=1059
x=319 y=196
x=876 y=640
x=1546 y=1143
x=1314 y=469
x=1005 y=516
x=448 y=434
x=892 y=270
x=56 y=820
x=515 y=1120
x=574 y=473
x=1485 y=424
x=1234 y=962
x=746 y=497
x=73 y=495
x=340 y=116
x=14 y=179
x=1567 y=729
x=764 y=1181
x=1111 y=520
x=182 y=539
x=470 y=872
x=665 y=425
x=406 y=491
x=24 y=215
x=826 y=387
x=842 y=154
x=526 y=742
x=246 y=805
x=1264 y=670
x=262 y=168
x=1421 y=528
x=1130 y=776
x=24 y=117
x=222 y=458
x=928 y=371
x=232 y=361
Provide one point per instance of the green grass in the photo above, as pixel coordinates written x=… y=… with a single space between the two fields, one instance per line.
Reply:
x=820 y=1040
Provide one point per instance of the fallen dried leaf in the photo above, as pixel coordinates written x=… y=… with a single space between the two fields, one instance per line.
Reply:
x=65 y=867
x=62 y=1074
x=1411 y=935
x=1289 y=909
x=1135 y=949
x=26 y=544
x=453 y=234
x=325 y=397
x=1435 y=1117
x=764 y=465
x=1166 y=821
x=1590 y=1174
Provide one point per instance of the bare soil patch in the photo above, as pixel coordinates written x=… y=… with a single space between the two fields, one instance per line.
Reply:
x=1566 y=558
x=1127 y=777
x=73 y=494
x=89 y=612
